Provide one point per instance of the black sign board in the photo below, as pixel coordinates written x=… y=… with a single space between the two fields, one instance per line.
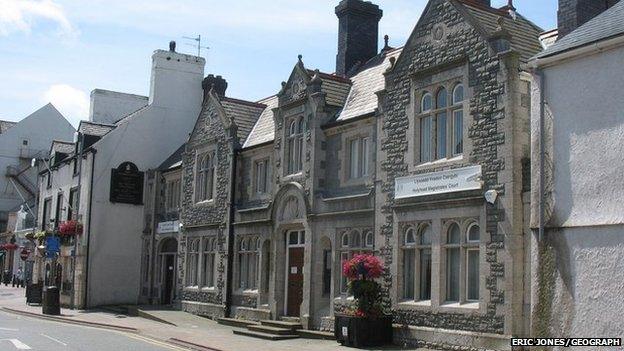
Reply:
x=126 y=184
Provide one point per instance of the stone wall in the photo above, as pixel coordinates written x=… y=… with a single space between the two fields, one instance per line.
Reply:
x=461 y=43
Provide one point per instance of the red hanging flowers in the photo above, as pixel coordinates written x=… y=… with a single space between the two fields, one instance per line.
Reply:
x=70 y=228
x=9 y=247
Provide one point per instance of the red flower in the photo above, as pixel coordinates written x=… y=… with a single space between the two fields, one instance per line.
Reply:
x=9 y=247
x=70 y=228
x=362 y=266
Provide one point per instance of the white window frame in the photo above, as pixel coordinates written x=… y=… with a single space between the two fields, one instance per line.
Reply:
x=209 y=260
x=192 y=262
x=359 y=152
x=295 y=145
x=248 y=265
x=261 y=176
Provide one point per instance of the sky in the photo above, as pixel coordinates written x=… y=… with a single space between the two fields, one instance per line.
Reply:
x=58 y=51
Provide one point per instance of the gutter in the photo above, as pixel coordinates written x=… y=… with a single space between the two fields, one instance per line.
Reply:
x=542 y=76
x=588 y=49
x=230 y=249
x=87 y=267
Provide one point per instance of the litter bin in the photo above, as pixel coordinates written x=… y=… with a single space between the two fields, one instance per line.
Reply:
x=51 y=301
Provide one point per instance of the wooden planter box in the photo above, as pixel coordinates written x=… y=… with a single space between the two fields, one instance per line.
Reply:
x=34 y=293
x=363 y=332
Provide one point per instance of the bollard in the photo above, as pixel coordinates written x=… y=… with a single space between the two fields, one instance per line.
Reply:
x=51 y=301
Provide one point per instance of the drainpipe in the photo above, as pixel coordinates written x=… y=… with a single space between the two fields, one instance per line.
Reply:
x=542 y=77
x=86 y=287
x=230 y=249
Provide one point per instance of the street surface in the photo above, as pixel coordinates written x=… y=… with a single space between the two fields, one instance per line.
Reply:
x=25 y=333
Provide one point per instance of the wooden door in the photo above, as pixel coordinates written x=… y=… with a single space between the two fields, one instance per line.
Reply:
x=295 y=281
x=169 y=276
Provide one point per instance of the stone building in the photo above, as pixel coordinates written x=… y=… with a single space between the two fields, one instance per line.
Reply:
x=577 y=212
x=417 y=154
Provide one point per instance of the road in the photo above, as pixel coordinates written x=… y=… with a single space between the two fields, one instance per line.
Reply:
x=25 y=333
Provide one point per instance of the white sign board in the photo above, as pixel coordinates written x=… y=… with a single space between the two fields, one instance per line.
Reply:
x=168 y=227
x=460 y=179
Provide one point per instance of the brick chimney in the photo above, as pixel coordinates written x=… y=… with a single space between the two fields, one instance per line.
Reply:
x=574 y=13
x=358 y=33
x=215 y=82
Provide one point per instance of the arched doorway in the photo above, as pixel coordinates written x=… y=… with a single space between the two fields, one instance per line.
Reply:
x=167 y=258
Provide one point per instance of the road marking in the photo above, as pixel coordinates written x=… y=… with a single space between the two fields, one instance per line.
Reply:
x=53 y=339
x=9 y=329
x=18 y=344
x=154 y=342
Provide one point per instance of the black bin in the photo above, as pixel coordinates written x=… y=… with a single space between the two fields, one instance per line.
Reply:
x=51 y=301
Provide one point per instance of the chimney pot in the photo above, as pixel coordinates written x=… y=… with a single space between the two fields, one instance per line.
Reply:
x=218 y=84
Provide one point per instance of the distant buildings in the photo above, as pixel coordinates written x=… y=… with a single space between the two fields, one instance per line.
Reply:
x=20 y=142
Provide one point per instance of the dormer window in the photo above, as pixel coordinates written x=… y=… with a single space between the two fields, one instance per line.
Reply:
x=295 y=145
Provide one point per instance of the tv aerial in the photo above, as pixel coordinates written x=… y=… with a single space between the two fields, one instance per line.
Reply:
x=197 y=45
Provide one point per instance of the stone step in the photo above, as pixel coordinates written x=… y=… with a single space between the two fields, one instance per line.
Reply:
x=264 y=336
x=290 y=319
x=282 y=324
x=233 y=322
x=315 y=334
x=270 y=330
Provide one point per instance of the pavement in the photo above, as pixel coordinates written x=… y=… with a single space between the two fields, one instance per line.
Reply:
x=181 y=329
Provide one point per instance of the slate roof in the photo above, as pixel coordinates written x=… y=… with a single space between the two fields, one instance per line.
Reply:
x=65 y=147
x=335 y=88
x=5 y=125
x=362 y=99
x=524 y=33
x=243 y=113
x=607 y=25
x=93 y=128
x=174 y=160
x=264 y=130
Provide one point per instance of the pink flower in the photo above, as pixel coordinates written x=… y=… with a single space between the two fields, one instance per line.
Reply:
x=362 y=266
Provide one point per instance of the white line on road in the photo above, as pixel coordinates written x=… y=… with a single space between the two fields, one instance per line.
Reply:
x=53 y=339
x=9 y=329
x=18 y=344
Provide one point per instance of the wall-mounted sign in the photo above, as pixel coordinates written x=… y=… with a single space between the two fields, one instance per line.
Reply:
x=52 y=246
x=460 y=179
x=126 y=184
x=168 y=227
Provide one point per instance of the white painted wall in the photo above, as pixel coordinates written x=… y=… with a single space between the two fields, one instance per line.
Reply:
x=39 y=129
x=110 y=106
x=578 y=274
x=146 y=139
x=585 y=97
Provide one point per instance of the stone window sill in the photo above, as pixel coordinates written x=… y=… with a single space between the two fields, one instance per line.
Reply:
x=246 y=292
x=412 y=303
x=205 y=202
x=209 y=289
x=440 y=162
x=191 y=288
x=344 y=298
x=467 y=306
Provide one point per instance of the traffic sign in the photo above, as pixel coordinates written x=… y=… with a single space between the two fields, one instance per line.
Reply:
x=53 y=246
x=24 y=254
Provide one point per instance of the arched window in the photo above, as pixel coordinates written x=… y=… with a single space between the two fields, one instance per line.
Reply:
x=209 y=257
x=441 y=98
x=473 y=237
x=453 y=265
x=462 y=261
x=417 y=262
x=457 y=141
x=441 y=121
x=369 y=239
x=426 y=103
x=295 y=145
x=204 y=178
x=192 y=262
x=353 y=243
x=248 y=263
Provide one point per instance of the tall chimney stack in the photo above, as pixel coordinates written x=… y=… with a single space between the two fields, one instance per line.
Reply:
x=574 y=13
x=358 y=33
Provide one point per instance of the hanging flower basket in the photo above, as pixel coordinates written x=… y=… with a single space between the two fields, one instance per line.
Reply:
x=70 y=228
x=9 y=247
x=364 y=324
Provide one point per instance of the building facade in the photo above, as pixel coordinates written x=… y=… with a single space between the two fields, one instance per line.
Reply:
x=577 y=246
x=278 y=193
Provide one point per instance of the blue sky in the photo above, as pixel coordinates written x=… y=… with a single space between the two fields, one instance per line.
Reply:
x=60 y=50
